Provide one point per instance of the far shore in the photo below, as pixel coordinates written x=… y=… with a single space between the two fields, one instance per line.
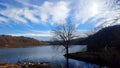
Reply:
x=23 y=46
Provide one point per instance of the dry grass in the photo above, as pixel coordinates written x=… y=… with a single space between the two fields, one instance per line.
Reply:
x=9 y=66
x=34 y=65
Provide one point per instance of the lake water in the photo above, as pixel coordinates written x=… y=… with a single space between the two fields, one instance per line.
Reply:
x=49 y=53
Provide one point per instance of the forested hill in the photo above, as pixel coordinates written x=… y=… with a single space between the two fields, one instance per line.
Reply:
x=7 y=41
x=106 y=37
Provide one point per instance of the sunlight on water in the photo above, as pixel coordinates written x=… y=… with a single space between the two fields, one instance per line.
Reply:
x=40 y=54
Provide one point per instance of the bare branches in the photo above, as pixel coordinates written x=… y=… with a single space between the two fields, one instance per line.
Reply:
x=64 y=33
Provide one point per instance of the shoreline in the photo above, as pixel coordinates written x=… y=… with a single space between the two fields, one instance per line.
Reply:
x=27 y=64
x=95 y=58
x=25 y=46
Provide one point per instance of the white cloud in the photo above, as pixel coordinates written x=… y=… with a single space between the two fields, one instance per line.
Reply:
x=56 y=11
x=48 y=11
x=110 y=18
x=85 y=10
x=30 y=16
x=47 y=35
x=35 y=33
x=40 y=35
x=3 y=19
x=53 y=12
x=14 y=14
x=60 y=12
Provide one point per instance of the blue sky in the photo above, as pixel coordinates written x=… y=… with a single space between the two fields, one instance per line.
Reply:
x=35 y=18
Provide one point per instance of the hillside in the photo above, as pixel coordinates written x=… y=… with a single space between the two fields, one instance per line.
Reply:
x=106 y=37
x=7 y=41
x=103 y=48
x=77 y=41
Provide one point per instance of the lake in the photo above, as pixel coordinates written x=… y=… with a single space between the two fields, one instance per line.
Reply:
x=53 y=54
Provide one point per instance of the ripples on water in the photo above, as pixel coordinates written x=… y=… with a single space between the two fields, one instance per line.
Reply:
x=42 y=54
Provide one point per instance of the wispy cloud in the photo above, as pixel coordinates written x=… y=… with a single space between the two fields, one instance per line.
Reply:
x=34 y=33
x=2 y=19
x=52 y=12
x=47 y=35
x=48 y=11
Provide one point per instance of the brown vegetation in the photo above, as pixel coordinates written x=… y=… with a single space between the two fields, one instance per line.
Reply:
x=7 y=41
x=9 y=66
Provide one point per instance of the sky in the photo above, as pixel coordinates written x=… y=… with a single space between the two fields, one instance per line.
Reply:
x=36 y=18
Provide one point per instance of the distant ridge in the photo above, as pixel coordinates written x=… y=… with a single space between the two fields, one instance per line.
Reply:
x=8 y=41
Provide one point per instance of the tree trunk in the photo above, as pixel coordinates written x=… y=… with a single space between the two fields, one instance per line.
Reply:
x=67 y=61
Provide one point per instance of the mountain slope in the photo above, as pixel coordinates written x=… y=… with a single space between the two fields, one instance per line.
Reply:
x=7 y=41
x=106 y=37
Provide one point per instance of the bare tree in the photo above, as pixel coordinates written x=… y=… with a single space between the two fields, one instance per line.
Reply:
x=64 y=33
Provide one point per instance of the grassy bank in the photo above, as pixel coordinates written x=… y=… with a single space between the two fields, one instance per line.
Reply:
x=108 y=58
x=30 y=65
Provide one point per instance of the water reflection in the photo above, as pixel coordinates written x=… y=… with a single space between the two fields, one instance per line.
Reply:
x=42 y=54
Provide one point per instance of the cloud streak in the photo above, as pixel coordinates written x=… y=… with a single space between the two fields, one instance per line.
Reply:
x=52 y=12
x=47 y=12
x=47 y=35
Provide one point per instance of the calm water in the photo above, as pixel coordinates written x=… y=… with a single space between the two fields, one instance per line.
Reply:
x=43 y=54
